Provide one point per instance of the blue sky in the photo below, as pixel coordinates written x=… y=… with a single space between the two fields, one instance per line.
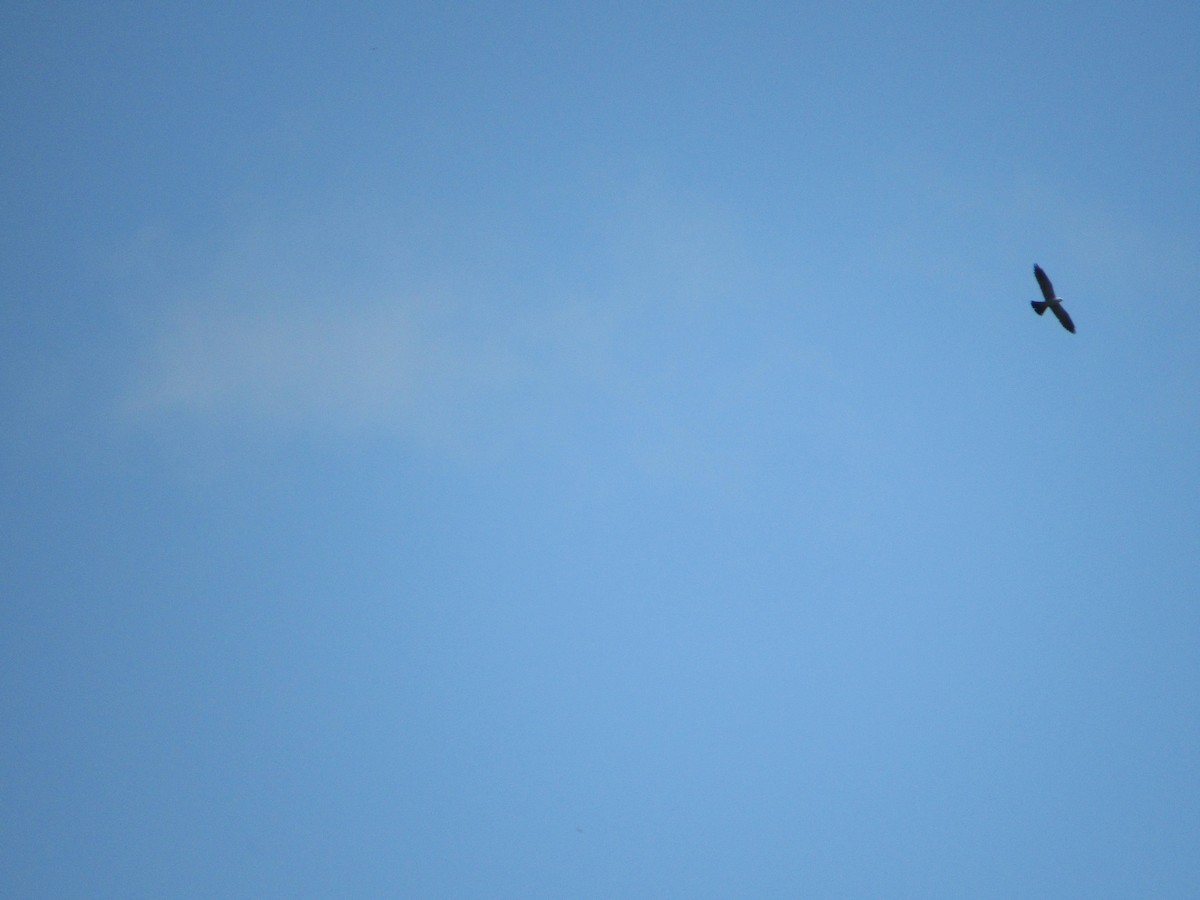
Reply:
x=599 y=450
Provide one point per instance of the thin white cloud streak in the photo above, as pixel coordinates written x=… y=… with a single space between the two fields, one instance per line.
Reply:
x=364 y=368
x=636 y=366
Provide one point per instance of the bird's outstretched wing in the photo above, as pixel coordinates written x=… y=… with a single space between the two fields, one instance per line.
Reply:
x=1044 y=283
x=1057 y=309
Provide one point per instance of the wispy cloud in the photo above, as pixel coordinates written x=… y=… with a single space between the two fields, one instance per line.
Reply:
x=651 y=359
x=368 y=367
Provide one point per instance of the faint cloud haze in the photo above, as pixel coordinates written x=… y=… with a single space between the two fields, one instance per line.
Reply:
x=366 y=367
x=658 y=359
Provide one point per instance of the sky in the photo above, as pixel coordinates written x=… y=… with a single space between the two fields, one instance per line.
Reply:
x=481 y=450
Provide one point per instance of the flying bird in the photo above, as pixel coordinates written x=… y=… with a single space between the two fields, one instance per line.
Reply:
x=1053 y=301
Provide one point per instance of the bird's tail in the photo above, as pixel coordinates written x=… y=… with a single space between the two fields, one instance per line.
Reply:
x=1039 y=306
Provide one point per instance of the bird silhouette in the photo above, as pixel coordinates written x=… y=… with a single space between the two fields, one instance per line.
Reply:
x=1052 y=301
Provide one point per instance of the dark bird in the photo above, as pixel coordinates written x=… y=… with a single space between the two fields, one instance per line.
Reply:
x=1053 y=301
